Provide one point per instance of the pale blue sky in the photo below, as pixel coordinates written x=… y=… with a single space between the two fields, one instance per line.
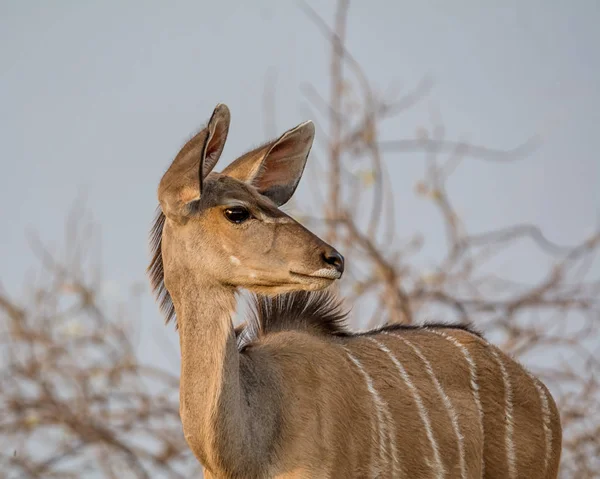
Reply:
x=97 y=97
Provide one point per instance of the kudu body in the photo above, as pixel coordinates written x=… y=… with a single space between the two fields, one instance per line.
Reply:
x=301 y=396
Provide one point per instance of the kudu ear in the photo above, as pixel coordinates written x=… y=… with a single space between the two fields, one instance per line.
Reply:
x=183 y=181
x=275 y=169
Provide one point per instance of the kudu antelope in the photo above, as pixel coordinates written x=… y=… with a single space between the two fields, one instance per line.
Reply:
x=295 y=393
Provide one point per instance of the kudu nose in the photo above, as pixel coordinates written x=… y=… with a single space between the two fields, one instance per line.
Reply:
x=335 y=259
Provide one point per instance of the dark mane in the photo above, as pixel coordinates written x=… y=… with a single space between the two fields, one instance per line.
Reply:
x=467 y=327
x=318 y=312
x=155 y=268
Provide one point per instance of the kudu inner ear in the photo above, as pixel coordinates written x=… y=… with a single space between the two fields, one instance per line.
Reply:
x=218 y=127
x=276 y=168
x=182 y=182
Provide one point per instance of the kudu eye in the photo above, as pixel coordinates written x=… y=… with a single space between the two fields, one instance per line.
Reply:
x=237 y=214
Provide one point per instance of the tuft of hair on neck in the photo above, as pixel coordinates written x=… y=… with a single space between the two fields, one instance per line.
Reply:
x=315 y=312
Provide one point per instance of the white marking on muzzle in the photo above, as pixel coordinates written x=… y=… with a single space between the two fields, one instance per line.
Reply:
x=326 y=273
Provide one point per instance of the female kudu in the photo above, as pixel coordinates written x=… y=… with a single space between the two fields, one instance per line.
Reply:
x=295 y=394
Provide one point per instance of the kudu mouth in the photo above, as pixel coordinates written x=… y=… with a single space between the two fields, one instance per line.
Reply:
x=323 y=273
x=334 y=269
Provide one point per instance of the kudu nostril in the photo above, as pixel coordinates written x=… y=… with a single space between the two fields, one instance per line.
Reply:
x=334 y=259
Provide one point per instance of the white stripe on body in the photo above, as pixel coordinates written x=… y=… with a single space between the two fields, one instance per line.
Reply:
x=381 y=410
x=546 y=420
x=437 y=465
x=445 y=399
x=508 y=414
x=474 y=383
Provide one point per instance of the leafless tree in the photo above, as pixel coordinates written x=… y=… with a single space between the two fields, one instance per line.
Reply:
x=76 y=400
x=551 y=318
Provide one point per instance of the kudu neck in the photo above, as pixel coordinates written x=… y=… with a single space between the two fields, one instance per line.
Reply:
x=210 y=369
x=198 y=302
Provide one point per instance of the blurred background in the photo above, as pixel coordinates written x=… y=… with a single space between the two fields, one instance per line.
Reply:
x=455 y=166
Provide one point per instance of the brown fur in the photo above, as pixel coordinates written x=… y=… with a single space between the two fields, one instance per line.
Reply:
x=293 y=393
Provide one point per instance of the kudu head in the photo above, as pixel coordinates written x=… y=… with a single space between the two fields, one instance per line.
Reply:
x=226 y=228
